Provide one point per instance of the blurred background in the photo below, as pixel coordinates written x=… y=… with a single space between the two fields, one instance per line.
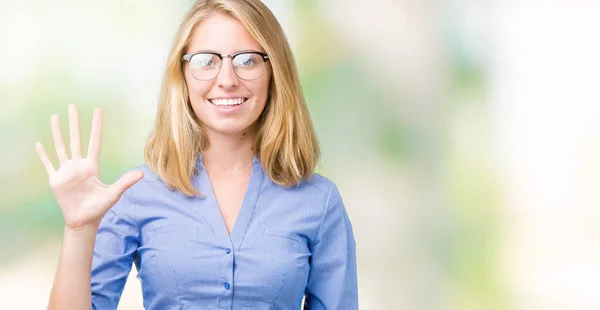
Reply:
x=463 y=135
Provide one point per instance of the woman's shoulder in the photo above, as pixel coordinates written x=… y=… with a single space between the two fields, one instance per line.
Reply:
x=321 y=183
x=149 y=175
x=150 y=179
x=316 y=188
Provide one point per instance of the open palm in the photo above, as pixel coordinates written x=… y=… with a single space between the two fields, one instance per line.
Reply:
x=83 y=198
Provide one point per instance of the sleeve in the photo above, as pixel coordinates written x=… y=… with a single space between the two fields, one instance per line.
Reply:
x=332 y=280
x=117 y=241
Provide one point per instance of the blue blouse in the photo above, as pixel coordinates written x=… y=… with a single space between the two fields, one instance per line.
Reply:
x=286 y=244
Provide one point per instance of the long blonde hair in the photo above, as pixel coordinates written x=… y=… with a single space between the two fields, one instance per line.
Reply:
x=286 y=144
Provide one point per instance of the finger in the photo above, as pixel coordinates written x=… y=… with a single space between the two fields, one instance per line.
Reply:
x=44 y=158
x=61 y=152
x=126 y=181
x=95 y=136
x=75 y=136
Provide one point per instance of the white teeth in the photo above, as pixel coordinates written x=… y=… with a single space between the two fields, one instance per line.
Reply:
x=227 y=102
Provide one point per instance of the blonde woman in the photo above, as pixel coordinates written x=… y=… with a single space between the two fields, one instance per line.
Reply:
x=227 y=212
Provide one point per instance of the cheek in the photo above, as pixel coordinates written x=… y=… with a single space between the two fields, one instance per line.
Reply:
x=196 y=92
x=196 y=89
x=262 y=88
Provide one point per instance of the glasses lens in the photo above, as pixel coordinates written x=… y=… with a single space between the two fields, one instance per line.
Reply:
x=248 y=66
x=205 y=66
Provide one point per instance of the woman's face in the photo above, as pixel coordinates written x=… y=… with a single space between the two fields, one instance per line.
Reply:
x=226 y=104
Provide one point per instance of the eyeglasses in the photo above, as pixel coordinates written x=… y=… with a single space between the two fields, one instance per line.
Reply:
x=206 y=66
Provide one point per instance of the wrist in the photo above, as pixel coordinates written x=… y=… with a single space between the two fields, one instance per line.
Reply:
x=81 y=232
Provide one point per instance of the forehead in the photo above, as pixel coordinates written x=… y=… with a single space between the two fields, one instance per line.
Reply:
x=223 y=34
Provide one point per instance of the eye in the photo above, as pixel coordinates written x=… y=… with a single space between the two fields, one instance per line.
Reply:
x=204 y=61
x=246 y=60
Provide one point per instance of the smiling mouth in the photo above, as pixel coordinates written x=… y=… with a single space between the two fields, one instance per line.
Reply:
x=228 y=102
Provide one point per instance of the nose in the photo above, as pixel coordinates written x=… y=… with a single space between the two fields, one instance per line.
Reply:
x=227 y=77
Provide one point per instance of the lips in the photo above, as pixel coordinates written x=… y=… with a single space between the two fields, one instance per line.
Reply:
x=228 y=102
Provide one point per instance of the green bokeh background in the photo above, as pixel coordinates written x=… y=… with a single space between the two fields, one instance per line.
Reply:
x=424 y=207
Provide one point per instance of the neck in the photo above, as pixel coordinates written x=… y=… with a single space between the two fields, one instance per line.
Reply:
x=230 y=153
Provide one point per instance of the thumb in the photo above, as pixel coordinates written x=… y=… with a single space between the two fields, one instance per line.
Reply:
x=126 y=181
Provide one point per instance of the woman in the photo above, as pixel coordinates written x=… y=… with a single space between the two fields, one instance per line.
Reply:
x=226 y=213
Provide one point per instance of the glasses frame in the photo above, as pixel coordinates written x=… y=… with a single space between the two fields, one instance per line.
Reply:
x=264 y=56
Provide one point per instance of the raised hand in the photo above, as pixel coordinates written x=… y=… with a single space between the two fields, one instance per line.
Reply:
x=83 y=198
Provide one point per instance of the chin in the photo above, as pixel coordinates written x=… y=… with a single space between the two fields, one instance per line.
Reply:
x=228 y=129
